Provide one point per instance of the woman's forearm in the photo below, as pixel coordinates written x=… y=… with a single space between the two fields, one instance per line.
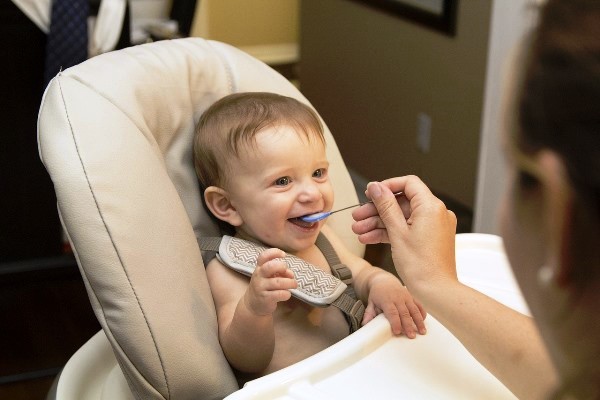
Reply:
x=503 y=340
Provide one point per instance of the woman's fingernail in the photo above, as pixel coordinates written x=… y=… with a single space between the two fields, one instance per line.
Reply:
x=375 y=189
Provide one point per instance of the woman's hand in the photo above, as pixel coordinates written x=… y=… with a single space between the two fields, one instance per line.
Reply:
x=418 y=226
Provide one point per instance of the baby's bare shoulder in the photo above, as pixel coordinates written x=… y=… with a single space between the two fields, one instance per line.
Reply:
x=225 y=284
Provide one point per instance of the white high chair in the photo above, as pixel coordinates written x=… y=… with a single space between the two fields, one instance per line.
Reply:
x=115 y=135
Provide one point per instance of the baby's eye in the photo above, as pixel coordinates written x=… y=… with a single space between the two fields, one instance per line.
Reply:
x=283 y=181
x=319 y=173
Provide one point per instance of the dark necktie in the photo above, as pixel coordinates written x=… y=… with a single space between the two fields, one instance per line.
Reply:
x=68 y=36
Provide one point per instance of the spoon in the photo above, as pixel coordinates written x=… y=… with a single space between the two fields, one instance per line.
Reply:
x=322 y=215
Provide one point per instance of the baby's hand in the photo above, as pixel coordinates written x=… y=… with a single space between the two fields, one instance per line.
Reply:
x=405 y=314
x=270 y=283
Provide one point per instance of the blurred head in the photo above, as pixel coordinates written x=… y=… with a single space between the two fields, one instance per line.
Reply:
x=551 y=222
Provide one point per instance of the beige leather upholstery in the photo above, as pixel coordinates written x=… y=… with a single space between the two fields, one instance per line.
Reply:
x=115 y=135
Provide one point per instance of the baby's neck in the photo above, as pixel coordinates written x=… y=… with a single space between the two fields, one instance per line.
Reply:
x=294 y=252
x=245 y=236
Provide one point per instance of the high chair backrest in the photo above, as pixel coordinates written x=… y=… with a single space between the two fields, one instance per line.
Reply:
x=115 y=135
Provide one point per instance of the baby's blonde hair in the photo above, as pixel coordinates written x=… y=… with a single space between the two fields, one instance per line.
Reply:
x=236 y=119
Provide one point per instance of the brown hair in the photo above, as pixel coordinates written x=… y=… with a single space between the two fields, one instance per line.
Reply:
x=236 y=119
x=559 y=107
x=559 y=110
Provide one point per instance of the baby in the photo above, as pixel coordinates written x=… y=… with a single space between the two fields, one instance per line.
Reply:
x=260 y=158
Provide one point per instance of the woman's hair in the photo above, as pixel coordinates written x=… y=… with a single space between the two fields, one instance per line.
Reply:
x=231 y=124
x=558 y=108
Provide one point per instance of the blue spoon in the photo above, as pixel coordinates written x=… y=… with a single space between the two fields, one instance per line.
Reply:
x=322 y=215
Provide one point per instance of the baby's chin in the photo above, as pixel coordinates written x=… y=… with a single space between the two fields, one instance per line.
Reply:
x=298 y=236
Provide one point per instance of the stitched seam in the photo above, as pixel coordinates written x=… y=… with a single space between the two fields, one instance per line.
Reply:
x=117 y=106
x=112 y=241
x=228 y=70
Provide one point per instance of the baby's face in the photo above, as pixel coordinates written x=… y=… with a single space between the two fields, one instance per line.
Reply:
x=285 y=176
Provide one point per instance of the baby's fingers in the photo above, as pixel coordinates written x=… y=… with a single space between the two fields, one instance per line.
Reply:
x=280 y=295
x=280 y=283
x=277 y=276
x=393 y=317
x=409 y=326
x=271 y=264
x=370 y=313
x=418 y=315
x=268 y=255
x=274 y=268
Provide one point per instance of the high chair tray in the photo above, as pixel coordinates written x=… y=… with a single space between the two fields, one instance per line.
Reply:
x=372 y=364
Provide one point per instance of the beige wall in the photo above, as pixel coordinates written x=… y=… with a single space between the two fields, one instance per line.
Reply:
x=247 y=23
x=370 y=74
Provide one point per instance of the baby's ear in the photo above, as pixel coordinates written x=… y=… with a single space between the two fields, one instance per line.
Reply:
x=217 y=201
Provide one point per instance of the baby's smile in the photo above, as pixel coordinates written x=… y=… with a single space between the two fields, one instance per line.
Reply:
x=299 y=222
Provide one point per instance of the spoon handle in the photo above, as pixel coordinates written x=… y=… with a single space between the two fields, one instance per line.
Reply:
x=322 y=215
x=360 y=204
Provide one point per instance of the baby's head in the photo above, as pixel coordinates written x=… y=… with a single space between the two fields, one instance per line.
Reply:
x=229 y=127
x=262 y=164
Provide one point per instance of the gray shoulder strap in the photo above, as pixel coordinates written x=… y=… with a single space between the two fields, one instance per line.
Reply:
x=348 y=302
x=341 y=271
x=209 y=243
x=209 y=247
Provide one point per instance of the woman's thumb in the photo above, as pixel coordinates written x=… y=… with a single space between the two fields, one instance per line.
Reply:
x=387 y=207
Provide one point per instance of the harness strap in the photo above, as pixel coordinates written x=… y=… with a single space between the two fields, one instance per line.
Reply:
x=209 y=243
x=339 y=270
x=348 y=302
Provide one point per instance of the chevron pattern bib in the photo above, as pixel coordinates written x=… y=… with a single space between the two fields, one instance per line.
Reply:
x=315 y=286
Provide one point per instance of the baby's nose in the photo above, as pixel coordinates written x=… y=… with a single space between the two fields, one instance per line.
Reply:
x=310 y=192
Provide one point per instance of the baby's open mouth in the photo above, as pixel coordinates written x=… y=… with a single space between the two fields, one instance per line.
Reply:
x=299 y=222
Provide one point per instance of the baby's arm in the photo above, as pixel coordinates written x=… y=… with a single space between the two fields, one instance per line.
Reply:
x=381 y=292
x=245 y=309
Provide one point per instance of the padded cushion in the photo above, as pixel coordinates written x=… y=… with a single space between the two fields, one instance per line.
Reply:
x=115 y=135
